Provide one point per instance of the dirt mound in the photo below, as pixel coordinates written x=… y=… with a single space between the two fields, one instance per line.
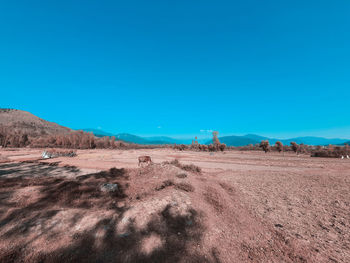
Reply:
x=25 y=122
x=83 y=223
x=156 y=214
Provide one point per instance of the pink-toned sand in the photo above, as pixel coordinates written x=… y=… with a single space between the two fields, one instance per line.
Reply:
x=242 y=207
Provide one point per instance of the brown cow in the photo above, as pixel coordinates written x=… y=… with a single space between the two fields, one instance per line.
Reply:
x=145 y=159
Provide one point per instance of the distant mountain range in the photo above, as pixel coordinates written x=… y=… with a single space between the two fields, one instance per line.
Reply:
x=130 y=138
x=18 y=120
x=233 y=140
x=97 y=132
x=254 y=139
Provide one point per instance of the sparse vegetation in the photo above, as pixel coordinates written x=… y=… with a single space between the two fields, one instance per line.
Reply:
x=164 y=184
x=265 y=145
x=187 y=167
x=185 y=187
x=72 y=140
x=331 y=151
x=279 y=146
x=295 y=147
x=9 y=138
x=181 y=175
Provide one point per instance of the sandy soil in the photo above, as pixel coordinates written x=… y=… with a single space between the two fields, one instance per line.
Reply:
x=242 y=207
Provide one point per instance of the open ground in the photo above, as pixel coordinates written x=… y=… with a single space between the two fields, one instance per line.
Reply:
x=242 y=207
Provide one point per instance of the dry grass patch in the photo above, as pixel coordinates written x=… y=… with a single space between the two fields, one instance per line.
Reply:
x=187 y=167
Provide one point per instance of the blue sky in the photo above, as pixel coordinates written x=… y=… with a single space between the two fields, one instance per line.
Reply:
x=277 y=68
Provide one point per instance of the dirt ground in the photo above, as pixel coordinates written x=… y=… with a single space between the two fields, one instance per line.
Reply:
x=242 y=207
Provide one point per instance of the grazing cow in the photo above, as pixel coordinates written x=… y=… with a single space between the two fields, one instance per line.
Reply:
x=342 y=157
x=347 y=157
x=145 y=159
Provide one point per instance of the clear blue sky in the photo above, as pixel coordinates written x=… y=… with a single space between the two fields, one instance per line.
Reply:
x=278 y=68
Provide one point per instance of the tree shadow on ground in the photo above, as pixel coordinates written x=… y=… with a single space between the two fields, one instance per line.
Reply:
x=34 y=169
x=176 y=233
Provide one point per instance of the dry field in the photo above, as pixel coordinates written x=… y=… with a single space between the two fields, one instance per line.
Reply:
x=242 y=207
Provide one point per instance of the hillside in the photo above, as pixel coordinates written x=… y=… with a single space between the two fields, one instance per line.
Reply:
x=23 y=121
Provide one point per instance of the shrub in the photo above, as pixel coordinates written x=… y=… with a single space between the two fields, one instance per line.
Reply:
x=295 y=147
x=185 y=187
x=331 y=152
x=164 y=184
x=265 y=145
x=186 y=167
x=181 y=175
x=302 y=148
x=222 y=147
x=279 y=146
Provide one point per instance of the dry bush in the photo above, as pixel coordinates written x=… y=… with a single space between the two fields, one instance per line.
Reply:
x=181 y=175
x=279 y=146
x=265 y=145
x=212 y=148
x=203 y=148
x=331 y=152
x=164 y=184
x=295 y=147
x=180 y=147
x=222 y=147
x=303 y=148
x=185 y=187
x=187 y=167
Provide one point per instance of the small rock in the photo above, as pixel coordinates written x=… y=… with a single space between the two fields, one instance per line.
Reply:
x=108 y=187
x=121 y=204
x=126 y=234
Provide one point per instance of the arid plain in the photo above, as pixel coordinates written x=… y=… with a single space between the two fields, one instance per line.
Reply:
x=244 y=206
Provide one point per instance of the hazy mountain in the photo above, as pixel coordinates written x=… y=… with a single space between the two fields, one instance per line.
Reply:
x=97 y=132
x=131 y=138
x=235 y=140
x=18 y=120
x=168 y=140
x=126 y=137
x=254 y=139
x=314 y=140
